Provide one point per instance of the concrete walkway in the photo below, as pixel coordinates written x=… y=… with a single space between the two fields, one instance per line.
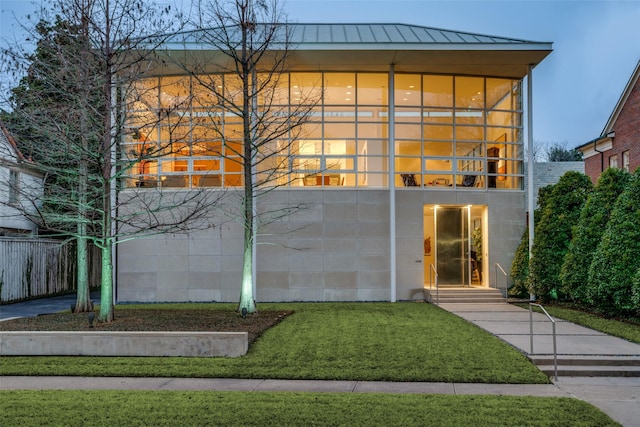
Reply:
x=617 y=397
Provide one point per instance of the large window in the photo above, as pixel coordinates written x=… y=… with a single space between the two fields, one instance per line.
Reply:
x=450 y=131
x=183 y=132
x=457 y=131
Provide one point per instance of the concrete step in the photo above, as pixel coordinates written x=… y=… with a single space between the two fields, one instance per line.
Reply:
x=588 y=360
x=468 y=300
x=465 y=296
x=592 y=371
x=590 y=365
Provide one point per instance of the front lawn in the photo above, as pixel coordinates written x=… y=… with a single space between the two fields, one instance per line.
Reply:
x=176 y=408
x=335 y=341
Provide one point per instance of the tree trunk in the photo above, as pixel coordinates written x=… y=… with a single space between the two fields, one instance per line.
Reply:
x=106 y=290
x=247 y=302
x=83 y=296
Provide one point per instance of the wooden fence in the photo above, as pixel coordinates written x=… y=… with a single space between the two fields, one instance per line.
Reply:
x=31 y=268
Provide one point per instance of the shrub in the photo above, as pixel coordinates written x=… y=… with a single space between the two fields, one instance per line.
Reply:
x=554 y=231
x=617 y=258
x=520 y=268
x=520 y=264
x=635 y=293
x=588 y=232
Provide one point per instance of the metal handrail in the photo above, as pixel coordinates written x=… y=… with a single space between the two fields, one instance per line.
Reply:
x=432 y=272
x=553 y=323
x=506 y=281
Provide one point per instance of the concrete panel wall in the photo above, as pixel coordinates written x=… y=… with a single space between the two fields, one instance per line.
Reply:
x=334 y=249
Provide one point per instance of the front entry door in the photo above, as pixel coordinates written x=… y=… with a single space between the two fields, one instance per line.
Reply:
x=452 y=246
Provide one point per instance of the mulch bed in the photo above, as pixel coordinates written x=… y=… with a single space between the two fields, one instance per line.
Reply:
x=150 y=319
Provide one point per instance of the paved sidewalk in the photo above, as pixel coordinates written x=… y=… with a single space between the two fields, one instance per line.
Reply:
x=617 y=397
x=232 y=384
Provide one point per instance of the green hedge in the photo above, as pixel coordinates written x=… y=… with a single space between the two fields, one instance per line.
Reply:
x=588 y=232
x=616 y=261
x=554 y=232
x=520 y=264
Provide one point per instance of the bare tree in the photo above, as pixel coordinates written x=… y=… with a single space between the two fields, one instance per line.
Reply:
x=243 y=85
x=85 y=137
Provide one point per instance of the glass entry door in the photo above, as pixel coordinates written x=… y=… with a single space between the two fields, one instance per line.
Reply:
x=452 y=246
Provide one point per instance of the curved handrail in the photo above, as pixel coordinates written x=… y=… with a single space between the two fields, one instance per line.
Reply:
x=553 y=323
x=506 y=281
x=433 y=272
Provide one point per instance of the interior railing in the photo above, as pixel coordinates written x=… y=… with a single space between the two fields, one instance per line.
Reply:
x=433 y=274
x=553 y=323
x=506 y=281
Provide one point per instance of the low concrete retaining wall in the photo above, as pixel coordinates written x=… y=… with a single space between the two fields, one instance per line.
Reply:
x=119 y=343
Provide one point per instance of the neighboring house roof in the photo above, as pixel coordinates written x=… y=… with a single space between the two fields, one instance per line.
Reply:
x=549 y=173
x=409 y=47
x=623 y=100
x=8 y=149
x=11 y=154
x=604 y=140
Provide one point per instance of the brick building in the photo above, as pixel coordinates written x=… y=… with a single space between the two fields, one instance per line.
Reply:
x=619 y=143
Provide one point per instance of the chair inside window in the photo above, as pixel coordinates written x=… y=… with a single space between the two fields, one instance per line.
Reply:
x=147 y=182
x=469 y=180
x=409 y=180
x=336 y=180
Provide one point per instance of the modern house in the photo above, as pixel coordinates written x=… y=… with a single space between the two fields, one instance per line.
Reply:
x=18 y=177
x=413 y=164
x=618 y=145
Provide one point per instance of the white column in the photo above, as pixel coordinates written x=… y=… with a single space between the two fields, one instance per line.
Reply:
x=530 y=195
x=392 y=186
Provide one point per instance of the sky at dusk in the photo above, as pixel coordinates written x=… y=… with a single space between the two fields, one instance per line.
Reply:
x=596 y=46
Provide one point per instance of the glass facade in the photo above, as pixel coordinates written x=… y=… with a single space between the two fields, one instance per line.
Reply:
x=450 y=132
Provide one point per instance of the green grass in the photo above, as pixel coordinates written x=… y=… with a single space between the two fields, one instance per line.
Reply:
x=617 y=328
x=169 y=408
x=342 y=341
